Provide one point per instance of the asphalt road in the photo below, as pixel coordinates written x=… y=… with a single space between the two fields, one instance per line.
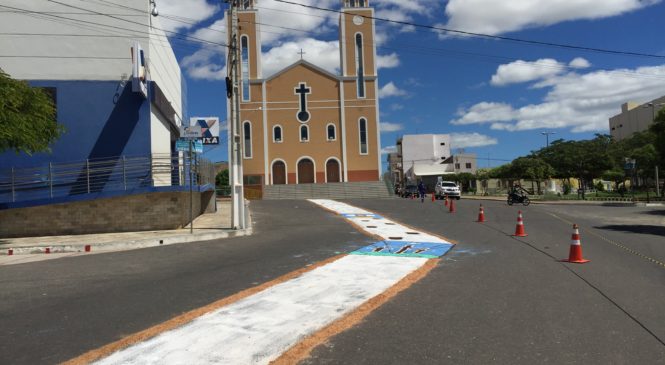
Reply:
x=505 y=300
x=54 y=310
x=493 y=298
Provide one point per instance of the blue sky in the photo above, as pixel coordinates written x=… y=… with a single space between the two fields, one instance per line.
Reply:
x=495 y=97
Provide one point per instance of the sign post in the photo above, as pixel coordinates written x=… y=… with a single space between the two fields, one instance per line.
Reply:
x=190 y=142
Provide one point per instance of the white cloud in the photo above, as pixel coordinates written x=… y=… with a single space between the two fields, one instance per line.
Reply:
x=396 y=106
x=389 y=90
x=321 y=53
x=390 y=127
x=205 y=64
x=579 y=62
x=580 y=102
x=463 y=140
x=194 y=10
x=388 y=149
x=387 y=61
x=497 y=17
x=523 y=71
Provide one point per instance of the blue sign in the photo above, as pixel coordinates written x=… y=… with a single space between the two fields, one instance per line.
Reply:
x=182 y=144
x=405 y=249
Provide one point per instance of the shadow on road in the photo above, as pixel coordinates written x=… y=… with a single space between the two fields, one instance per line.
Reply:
x=633 y=228
x=655 y=212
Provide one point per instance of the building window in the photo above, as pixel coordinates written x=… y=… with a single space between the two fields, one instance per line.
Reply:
x=359 y=65
x=277 y=134
x=443 y=143
x=468 y=165
x=456 y=166
x=362 y=130
x=244 y=66
x=304 y=133
x=247 y=139
x=330 y=132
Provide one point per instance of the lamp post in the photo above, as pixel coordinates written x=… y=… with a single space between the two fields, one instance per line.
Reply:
x=547 y=136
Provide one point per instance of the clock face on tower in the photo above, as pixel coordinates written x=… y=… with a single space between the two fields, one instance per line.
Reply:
x=358 y=20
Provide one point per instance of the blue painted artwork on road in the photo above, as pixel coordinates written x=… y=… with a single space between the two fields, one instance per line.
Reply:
x=405 y=249
x=361 y=215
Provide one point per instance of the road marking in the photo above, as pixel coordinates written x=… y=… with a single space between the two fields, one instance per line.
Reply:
x=615 y=243
x=284 y=319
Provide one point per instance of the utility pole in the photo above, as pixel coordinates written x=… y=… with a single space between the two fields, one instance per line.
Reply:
x=547 y=136
x=235 y=147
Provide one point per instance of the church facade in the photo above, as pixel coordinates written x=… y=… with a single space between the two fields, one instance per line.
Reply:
x=304 y=124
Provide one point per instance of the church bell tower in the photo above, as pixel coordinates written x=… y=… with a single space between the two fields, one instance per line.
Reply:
x=357 y=48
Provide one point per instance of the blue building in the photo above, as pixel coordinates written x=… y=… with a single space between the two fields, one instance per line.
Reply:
x=118 y=90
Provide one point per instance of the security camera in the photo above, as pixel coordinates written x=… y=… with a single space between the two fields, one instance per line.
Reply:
x=154 y=12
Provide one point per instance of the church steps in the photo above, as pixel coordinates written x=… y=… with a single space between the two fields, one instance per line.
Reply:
x=349 y=190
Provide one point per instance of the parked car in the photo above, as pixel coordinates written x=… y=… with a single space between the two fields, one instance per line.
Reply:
x=448 y=188
x=409 y=191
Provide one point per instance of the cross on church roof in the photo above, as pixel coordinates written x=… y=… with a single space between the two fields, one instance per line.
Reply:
x=301 y=53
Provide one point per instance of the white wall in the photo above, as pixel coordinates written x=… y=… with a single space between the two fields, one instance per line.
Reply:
x=163 y=66
x=57 y=39
x=425 y=149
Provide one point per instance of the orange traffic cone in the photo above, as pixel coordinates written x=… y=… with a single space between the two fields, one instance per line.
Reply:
x=432 y=197
x=519 y=229
x=575 y=255
x=411 y=196
x=452 y=206
x=445 y=199
x=481 y=214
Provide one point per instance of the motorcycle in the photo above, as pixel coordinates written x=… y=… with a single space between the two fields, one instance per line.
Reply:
x=518 y=196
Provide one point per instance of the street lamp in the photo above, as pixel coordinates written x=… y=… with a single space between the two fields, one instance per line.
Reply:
x=547 y=136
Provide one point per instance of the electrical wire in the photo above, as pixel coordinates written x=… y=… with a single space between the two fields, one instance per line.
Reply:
x=482 y=35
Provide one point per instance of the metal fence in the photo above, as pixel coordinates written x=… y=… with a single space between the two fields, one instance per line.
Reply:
x=120 y=173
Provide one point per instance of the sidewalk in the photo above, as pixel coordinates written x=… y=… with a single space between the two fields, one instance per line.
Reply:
x=208 y=226
x=565 y=202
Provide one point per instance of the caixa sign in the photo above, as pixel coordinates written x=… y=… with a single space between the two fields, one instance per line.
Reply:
x=139 y=73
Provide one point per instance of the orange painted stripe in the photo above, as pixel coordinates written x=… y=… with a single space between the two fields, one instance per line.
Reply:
x=304 y=348
x=185 y=318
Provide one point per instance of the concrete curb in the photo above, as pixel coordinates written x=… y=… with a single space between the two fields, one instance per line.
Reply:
x=126 y=245
x=561 y=202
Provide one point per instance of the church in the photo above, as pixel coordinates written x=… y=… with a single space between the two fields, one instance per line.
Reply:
x=303 y=124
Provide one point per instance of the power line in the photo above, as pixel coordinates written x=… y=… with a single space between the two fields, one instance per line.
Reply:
x=482 y=35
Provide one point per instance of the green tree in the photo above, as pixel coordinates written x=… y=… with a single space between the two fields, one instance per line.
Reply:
x=222 y=178
x=617 y=176
x=483 y=175
x=532 y=168
x=27 y=117
x=658 y=130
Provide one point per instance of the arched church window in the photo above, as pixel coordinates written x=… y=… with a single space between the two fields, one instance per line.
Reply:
x=247 y=139
x=277 y=134
x=362 y=130
x=304 y=133
x=330 y=132
x=244 y=65
x=359 y=65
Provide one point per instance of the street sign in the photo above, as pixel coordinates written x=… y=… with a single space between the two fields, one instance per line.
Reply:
x=192 y=131
x=182 y=144
x=209 y=128
x=197 y=146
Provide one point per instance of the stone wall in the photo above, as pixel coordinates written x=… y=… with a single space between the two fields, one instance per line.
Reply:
x=140 y=212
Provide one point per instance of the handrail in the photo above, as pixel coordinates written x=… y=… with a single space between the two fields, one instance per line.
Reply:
x=116 y=173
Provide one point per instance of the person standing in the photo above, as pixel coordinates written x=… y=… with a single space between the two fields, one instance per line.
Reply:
x=421 y=191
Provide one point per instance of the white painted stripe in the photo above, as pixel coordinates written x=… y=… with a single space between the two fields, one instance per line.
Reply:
x=575 y=243
x=259 y=328
x=382 y=227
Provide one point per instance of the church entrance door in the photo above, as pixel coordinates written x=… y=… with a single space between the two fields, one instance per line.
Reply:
x=278 y=173
x=305 y=171
x=332 y=171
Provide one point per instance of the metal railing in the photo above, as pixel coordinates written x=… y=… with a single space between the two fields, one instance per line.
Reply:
x=121 y=173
